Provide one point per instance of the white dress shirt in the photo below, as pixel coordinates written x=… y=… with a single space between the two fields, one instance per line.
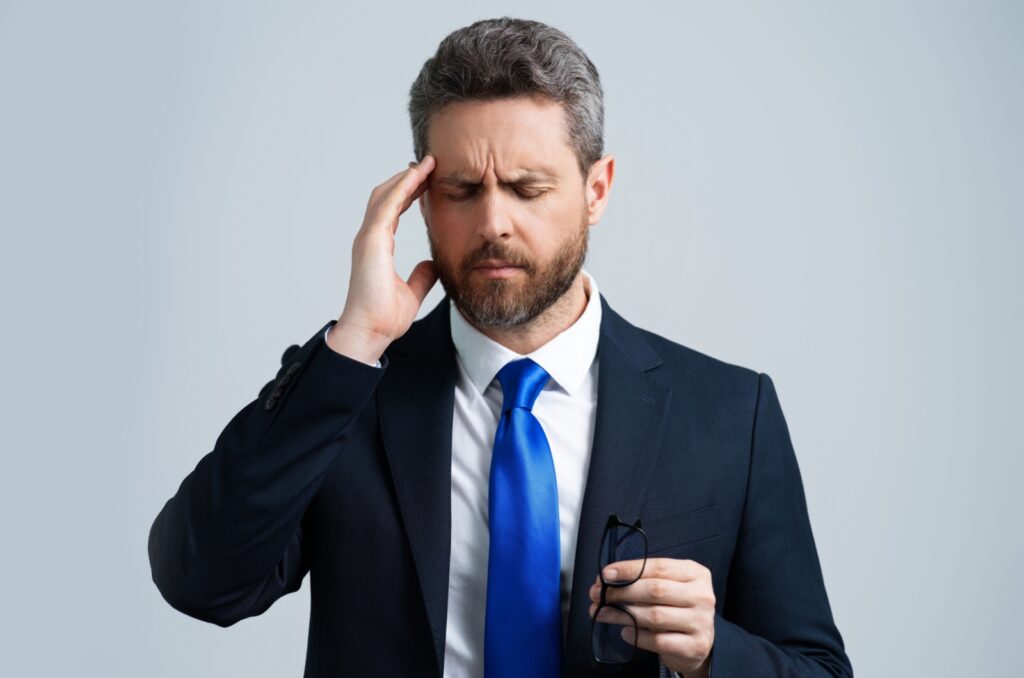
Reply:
x=566 y=410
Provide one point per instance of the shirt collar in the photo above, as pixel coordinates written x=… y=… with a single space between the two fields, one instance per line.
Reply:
x=566 y=358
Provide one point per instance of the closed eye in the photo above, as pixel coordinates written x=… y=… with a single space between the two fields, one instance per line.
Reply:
x=468 y=193
x=531 y=195
x=459 y=197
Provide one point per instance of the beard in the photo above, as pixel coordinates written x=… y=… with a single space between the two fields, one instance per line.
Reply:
x=515 y=301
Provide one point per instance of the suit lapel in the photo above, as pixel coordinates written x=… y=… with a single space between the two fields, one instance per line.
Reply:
x=415 y=400
x=632 y=407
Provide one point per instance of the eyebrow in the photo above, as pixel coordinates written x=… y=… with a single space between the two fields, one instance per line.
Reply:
x=460 y=180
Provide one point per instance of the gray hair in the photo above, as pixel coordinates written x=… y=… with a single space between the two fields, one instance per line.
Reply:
x=504 y=58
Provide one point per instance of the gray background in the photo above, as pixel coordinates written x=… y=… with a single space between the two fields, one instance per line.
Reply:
x=826 y=192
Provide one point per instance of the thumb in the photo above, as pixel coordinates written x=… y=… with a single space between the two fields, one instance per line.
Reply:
x=422 y=278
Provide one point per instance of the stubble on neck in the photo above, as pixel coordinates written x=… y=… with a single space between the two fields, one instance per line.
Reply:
x=554 y=320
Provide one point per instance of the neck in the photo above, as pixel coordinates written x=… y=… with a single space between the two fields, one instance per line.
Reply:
x=556 y=319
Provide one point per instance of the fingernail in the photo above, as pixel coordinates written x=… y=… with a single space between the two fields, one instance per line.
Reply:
x=611 y=573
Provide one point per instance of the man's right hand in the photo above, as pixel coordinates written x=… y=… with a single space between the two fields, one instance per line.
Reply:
x=381 y=306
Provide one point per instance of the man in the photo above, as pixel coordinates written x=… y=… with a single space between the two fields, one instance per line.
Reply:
x=458 y=487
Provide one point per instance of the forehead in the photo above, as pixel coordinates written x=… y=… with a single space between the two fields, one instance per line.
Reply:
x=519 y=139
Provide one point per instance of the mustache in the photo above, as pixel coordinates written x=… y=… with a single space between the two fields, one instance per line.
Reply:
x=492 y=252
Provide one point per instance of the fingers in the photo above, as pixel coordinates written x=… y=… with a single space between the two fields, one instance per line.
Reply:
x=392 y=198
x=412 y=166
x=672 y=601
x=650 y=617
x=424 y=185
x=663 y=568
x=422 y=278
x=668 y=643
x=381 y=300
x=652 y=592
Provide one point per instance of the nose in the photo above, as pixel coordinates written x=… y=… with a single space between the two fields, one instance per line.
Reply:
x=495 y=220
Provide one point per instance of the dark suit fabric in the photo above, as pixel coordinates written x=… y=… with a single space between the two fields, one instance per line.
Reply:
x=343 y=470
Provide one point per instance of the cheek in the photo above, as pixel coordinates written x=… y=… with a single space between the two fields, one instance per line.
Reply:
x=448 y=226
x=450 y=231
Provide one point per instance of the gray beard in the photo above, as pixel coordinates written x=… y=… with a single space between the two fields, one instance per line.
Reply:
x=496 y=303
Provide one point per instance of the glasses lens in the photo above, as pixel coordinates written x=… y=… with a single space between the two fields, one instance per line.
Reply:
x=608 y=644
x=620 y=542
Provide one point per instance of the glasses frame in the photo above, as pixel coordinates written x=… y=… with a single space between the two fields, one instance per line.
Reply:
x=612 y=522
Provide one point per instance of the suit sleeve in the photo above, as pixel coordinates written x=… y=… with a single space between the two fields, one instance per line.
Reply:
x=328 y=331
x=230 y=541
x=776 y=619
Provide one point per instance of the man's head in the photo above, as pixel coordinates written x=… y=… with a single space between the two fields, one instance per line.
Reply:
x=512 y=112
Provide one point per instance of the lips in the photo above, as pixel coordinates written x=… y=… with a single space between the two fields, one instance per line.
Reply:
x=495 y=269
x=496 y=263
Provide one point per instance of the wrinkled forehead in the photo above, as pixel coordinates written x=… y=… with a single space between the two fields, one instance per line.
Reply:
x=519 y=140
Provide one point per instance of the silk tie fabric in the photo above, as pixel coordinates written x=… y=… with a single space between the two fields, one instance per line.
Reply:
x=523 y=627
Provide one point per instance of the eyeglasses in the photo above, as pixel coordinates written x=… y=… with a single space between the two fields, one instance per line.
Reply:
x=621 y=541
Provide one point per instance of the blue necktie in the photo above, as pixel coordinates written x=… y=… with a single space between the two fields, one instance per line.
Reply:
x=523 y=629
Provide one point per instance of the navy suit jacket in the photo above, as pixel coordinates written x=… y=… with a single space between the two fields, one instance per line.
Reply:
x=343 y=470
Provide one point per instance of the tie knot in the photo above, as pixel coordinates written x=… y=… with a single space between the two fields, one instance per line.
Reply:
x=521 y=382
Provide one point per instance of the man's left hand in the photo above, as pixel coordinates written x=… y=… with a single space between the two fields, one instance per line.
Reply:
x=674 y=605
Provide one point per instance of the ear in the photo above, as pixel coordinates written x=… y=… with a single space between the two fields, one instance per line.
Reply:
x=598 y=186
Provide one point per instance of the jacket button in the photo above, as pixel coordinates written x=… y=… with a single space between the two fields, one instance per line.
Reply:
x=271 y=401
x=287 y=376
